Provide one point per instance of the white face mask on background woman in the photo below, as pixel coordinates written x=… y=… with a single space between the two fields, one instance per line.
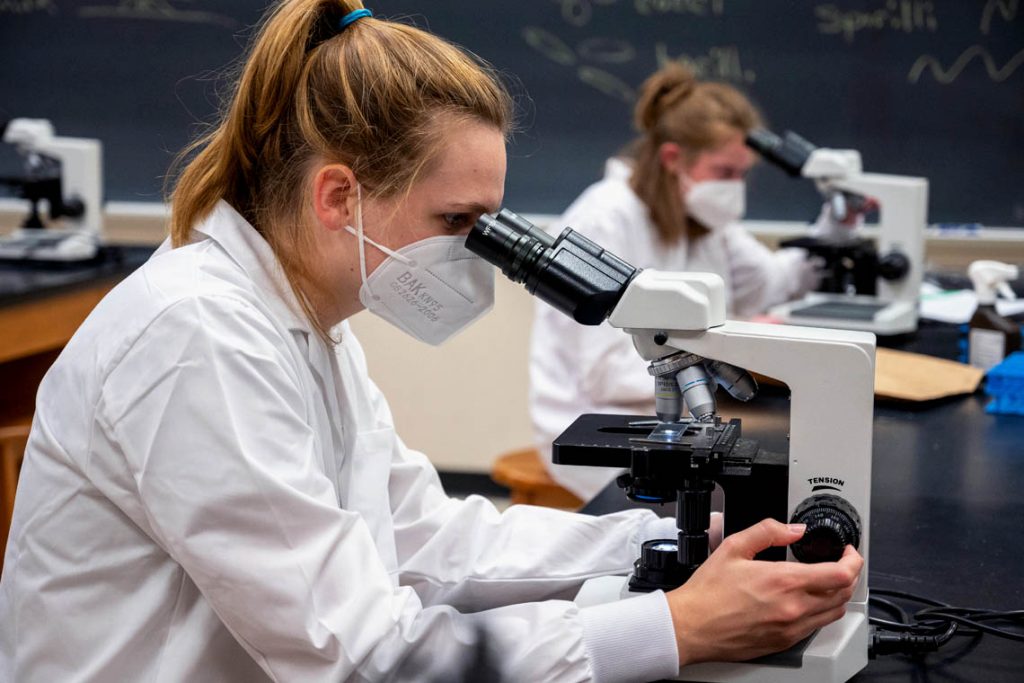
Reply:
x=716 y=203
x=430 y=289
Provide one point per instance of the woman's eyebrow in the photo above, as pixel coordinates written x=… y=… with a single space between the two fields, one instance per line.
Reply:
x=472 y=207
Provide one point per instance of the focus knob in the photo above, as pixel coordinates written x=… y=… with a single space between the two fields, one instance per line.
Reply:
x=893 y=266
x=832 y=523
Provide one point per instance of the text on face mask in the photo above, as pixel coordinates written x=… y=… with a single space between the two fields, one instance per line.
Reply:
x=411 y=291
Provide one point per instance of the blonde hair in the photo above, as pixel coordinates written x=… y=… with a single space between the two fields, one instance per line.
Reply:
x=698 y=116
x=371 y=96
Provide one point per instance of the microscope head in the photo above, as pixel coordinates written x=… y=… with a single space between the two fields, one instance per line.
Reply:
x=800 y=158
x=28 y=135
x=591 y=285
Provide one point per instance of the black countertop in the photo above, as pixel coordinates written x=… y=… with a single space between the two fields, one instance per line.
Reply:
x=21 y=282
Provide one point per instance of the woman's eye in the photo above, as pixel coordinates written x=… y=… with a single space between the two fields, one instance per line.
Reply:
x=458 y=221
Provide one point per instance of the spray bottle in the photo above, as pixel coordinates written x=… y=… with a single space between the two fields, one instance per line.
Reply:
x=991 y=337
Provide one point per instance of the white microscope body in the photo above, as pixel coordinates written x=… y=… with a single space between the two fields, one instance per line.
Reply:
x=830 y=374
x=677 y=321
x=903 y=209
x=81 y=182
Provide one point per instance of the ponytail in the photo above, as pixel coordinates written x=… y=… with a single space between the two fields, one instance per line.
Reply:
x=370 y=95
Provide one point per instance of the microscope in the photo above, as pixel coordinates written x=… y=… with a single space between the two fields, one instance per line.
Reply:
x=677 y=321
x=864 y=287
x=66 y=174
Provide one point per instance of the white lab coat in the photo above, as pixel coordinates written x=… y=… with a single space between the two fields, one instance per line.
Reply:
x=577 y=369
x=211 y=494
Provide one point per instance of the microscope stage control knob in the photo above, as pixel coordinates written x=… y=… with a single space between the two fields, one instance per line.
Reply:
x=893 y=266
x=832 y=523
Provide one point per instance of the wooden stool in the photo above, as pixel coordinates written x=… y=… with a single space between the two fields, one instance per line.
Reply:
x=525 y=475
x=12 y=451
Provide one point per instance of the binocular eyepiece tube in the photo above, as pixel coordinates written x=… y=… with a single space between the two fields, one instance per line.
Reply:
x=789 y=152
x=570 y=272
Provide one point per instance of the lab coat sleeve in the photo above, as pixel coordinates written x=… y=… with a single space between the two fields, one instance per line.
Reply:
x=468 y=554
x=762 y=278
x=214 y=431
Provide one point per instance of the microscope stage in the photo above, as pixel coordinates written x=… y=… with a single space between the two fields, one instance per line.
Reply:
x=609 y=440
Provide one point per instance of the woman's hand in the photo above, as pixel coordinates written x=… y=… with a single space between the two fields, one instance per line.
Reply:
x=735 y=608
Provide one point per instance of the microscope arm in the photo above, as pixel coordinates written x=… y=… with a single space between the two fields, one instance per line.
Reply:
x=831 y=412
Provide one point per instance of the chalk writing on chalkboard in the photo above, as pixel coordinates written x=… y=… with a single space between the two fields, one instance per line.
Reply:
x=900 y=16
x=23 y=7
x=1007 y=10
x=157 y=10
x=947 y=76
x=580 y=12
x=595 y=56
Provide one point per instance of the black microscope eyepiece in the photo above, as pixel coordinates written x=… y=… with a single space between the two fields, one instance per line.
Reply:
x=569 y=272
x=789 y=152
x=510 y=242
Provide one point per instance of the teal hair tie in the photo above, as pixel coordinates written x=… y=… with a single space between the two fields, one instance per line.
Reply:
x=352 y=17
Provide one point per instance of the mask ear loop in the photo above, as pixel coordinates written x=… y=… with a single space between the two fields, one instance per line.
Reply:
x=363 y=238
x=360 y=235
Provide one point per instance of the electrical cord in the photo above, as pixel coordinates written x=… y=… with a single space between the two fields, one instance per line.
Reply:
x=932 y=626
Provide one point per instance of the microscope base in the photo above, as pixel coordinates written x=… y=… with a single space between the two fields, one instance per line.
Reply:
x=845 y=312
x=49 y=245
x=833 y=654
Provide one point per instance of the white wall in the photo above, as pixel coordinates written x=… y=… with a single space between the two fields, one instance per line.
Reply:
x=464 y=402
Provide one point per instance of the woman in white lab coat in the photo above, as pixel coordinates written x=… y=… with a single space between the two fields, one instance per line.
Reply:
x=673 y=202
x=213 y=488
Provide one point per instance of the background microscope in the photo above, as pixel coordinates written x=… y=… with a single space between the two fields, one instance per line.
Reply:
x=677 y=321
x=866 y=286
x=64 y=176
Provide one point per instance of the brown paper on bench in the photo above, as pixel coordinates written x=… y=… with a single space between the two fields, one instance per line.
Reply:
x=915 y=377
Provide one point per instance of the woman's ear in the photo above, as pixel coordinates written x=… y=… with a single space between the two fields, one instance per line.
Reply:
x=671 y=157
x=335 y=196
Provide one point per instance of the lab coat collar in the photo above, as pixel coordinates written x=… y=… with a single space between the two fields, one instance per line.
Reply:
x=248 y=249
x=618 y=168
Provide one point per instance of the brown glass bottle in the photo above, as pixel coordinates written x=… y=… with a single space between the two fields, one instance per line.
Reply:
x=991 y=337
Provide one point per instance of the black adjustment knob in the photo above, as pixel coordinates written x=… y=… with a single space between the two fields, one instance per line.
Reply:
x=893 y=266
x=74 y=207
x=658 y=567
x=832 y=524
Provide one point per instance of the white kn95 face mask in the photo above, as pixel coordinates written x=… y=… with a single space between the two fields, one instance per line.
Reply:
x=717 y=203
x=430 y=289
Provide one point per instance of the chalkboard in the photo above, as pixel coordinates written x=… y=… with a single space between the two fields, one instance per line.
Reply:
x=931 y=88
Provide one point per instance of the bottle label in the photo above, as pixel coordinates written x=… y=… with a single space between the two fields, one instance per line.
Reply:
x=987 y=348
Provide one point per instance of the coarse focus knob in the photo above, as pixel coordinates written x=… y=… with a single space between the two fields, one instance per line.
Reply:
x=893 y=266
x=832 y=523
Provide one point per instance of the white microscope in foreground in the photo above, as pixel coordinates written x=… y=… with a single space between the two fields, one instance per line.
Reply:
x=866 y=286
x=66 y=175
x=678 y=323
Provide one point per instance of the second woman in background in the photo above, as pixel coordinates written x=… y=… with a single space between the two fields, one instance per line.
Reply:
x=672 y=202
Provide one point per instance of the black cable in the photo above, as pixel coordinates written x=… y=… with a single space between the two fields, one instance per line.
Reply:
x=932 y=627
x=975 y=618
x=892 y=607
